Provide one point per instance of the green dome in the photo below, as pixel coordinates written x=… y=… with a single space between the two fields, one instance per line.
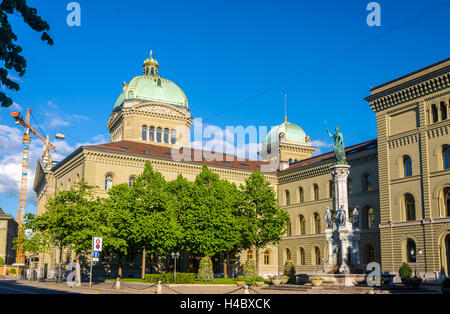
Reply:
x=293 y=133
x=152 y=87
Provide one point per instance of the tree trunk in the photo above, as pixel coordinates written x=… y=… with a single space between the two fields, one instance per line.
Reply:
x=60 y=262
x=225 y=270
x=119 y=270
x=144 y=253
x=257 y=261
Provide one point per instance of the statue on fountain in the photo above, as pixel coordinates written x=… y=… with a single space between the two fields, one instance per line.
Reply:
x=341 y=216
x=356 y=217
x=339 y=148
x=329 y=218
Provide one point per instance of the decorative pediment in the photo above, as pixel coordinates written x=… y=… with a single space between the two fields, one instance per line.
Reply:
x=161 y=109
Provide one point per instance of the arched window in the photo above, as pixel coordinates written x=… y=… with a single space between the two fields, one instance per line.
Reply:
x=302 y=225
x=131 y=181
x=349 y=186
x=443 y=111
x=302 y=195
x=159 y=82
x=108 y=181
x=159 y=135
x=288 y=198
x=370 y=254
x=331 y=192
x=144 y=132
x=152 y=134
x=446 y=156
x=166 y=136
x=367 y=182
x=407 y=166
x=410 y=207
x=370 y=218
x=434 y=113
x=447 y=201
x=302 y=256
x=173 y=136
x=317 y=255
x=290 y=161
x=289 y=229
x=267 y=257
x=316 y=192
x=288 y=255
x=249 y=255
x=410 y=251
x=317 y=223
x=152 y=71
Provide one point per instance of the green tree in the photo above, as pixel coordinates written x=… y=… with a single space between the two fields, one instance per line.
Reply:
x=10 y=53
x=263 y=221
x=71 y=219
x=37 y=241
x=156 y=228
x=120 y=220
x=209 y=226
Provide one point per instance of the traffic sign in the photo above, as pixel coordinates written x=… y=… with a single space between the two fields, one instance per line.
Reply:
x=97 y=244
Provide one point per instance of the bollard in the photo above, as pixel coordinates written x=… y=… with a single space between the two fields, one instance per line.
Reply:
x=159 y=288
x=246 y=290
x=118 y=283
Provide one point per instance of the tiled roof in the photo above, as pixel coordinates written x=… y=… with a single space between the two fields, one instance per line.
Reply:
x=2 y=213
x=330 y=156
x=208 y=158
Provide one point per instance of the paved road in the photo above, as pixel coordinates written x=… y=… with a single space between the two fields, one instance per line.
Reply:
x=14 y=287
x=26 y=287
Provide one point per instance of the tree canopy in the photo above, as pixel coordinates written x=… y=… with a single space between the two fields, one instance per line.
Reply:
x=206 y=217
x=10 y=52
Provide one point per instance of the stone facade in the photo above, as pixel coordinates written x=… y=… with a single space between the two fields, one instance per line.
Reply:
x=408 y=159
x=8 y=231
x=413 y=135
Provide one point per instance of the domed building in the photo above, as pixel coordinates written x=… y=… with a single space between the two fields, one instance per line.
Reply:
x=286 y=144
x=151 y=109
x=400 y=181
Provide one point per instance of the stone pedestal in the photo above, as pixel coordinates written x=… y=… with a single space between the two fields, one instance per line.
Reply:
x=331 y=254
x=348 y=236
x=346 y=241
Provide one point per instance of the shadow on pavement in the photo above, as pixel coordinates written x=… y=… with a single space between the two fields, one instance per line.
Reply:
x=14 y=287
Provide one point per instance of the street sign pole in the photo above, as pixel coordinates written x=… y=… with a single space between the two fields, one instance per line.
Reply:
x=92 y=252
x=97 y=244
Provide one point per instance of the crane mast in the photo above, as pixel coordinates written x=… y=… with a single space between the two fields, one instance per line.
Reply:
x=26 y=141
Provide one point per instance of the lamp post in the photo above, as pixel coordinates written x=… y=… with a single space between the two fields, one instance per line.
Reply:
x=417 y=261
x=175 y=256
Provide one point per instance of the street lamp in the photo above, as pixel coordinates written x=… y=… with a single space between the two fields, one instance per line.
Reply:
x=175 y=256
x=417 y=260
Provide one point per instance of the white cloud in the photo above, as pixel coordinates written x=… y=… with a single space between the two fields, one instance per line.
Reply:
x=56 y=122
x=11 y=159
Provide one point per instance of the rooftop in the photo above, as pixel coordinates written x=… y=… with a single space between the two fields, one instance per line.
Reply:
x=162 y=152
x=330 y=156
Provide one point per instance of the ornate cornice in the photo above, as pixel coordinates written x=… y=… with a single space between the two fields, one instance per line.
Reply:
x=409 y=91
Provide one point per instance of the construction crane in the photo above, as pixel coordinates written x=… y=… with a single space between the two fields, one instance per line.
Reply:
x=20 y=257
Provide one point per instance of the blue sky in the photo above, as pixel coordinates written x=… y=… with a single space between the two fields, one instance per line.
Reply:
x=235 y=60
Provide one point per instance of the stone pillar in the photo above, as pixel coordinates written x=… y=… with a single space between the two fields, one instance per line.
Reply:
x=331 y=256
x=340 y=174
